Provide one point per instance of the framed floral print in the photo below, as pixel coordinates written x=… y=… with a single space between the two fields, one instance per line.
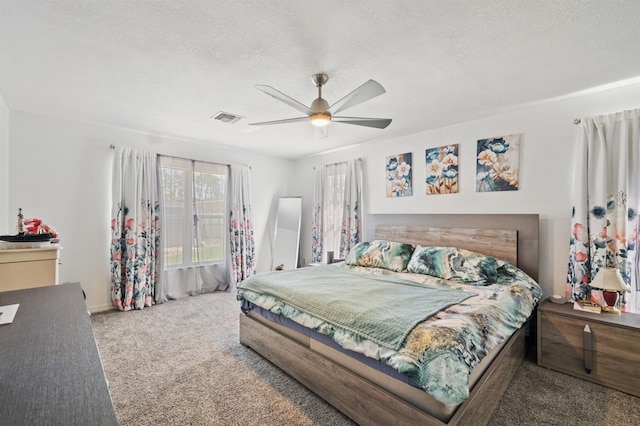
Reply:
x=442 y=170
x=498 y=164
x=398 y=169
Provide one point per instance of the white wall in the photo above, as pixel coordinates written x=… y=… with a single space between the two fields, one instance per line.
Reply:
x=4 y=164
x=549 y=137
x=60 y=171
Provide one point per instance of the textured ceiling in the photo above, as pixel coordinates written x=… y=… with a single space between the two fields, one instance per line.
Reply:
x=165 y=67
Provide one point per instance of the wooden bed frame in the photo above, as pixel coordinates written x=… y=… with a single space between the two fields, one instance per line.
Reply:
x=367 y=403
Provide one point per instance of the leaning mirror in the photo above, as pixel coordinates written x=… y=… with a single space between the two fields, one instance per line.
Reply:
x=286 y=238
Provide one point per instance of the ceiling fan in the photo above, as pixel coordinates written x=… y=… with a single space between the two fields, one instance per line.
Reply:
x=320 y=114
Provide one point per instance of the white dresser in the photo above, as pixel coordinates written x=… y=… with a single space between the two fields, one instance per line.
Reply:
x=29 y=267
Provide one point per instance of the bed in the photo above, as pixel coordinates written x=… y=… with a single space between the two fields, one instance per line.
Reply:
x=370 y=378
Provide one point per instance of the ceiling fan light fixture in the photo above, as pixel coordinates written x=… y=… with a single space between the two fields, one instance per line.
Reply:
x=320 y=114
x=320 y=119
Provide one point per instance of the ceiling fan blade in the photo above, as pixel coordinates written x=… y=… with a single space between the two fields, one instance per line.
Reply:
x=378 y=123
x=367 y=91
x=275 y=93
x=286 y=120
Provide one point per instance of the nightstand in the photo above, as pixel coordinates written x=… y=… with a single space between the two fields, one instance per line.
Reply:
x=603 y=348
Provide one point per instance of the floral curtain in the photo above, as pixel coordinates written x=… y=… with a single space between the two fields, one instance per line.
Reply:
x=317 y=220
x=135 y=232
x=606 y=200
x=242 y=244
x=351 y=225
x=337 y=202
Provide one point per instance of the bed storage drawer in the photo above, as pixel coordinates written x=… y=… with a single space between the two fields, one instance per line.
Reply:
x=603 y=348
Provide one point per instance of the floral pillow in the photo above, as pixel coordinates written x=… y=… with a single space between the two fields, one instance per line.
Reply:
x=455 y=264
x=381 y=254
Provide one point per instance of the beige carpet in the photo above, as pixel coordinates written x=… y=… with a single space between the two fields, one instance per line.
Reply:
x=180 y=363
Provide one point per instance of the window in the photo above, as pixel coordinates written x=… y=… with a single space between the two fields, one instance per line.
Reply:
x=194 y=196
x=337 y=202
x=334 y=206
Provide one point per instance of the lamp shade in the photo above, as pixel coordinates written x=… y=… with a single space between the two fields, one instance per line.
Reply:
x=609 y=279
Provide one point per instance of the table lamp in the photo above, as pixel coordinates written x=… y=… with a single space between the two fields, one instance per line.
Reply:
x=611 y=283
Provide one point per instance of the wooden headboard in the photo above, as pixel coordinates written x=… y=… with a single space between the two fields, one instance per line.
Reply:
x=510 y=237
x=499 y=243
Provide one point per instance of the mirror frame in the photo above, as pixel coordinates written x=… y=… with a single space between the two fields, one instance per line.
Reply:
x=279 y=217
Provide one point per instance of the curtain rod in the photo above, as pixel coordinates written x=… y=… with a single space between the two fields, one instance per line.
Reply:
x=576 y=121
x=112 y=146
x=339 y=162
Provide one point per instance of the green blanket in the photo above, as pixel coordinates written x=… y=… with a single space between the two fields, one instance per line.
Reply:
x=382 y=309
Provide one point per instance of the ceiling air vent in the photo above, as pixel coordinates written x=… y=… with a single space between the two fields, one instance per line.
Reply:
x=226 y=117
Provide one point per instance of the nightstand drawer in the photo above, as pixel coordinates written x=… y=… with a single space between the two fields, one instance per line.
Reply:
x=614 y=354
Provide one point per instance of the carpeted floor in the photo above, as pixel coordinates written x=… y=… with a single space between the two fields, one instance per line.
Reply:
x=180 y=363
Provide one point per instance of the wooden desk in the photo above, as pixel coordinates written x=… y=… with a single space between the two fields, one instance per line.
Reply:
x=50 y=369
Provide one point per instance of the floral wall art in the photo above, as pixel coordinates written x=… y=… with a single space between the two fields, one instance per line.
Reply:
x=497 y=164
x=442 y=170
x=399 y=175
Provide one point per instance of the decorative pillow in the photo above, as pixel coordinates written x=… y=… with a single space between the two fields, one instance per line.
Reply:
x=455 y=264
x=381 y=254
x=432 y=261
